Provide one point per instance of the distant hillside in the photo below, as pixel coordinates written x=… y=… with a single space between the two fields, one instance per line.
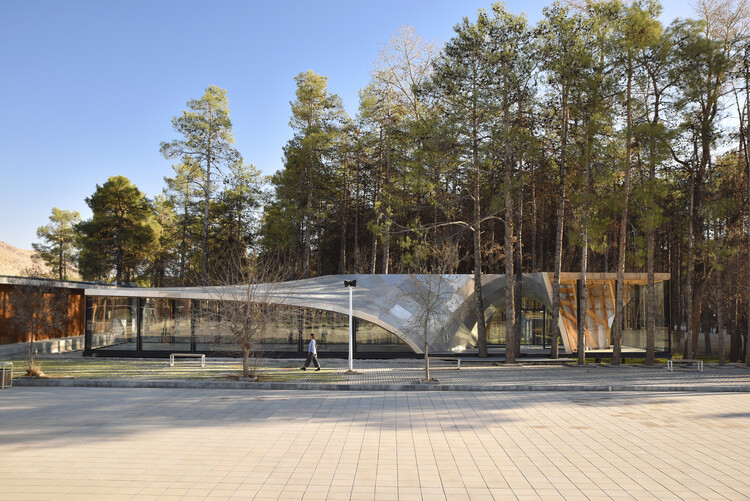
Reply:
x=14 y=261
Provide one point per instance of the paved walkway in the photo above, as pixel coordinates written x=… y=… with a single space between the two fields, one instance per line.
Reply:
x=186 y=444
x=394 y=374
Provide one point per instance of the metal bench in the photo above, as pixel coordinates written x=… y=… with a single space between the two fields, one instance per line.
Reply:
x=689 y=361
x=6 y=374
x=448 y=359
x=172 y=355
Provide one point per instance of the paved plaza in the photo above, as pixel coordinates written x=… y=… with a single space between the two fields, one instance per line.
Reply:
x=162 y=443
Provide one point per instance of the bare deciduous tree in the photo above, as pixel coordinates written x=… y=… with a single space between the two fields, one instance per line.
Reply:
x=431 y=288
x=248 y=284
x=38 y=308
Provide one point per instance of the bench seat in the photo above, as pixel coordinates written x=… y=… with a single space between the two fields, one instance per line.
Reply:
x=683 y=361
x=448 y=359
x=173 y=355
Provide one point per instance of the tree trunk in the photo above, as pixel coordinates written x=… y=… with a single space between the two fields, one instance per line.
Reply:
x=734 y=331
x=650 y=300
x=344 y=216
x=183 y=242
x=61 y=255
x=387 y=230
x=747 y=169
x=426 y=352
x=534 y=255
x=118 y=258
x=651 y=245
x=206 y=199
x=510 y=290
x=518 y=266
x=689 y=279
x=478 y=298
x=356 y=221
x=308 y=231
x=620 y=293
x=377 y=202
x=720 y=317
x=554 y=352
x=583 y=295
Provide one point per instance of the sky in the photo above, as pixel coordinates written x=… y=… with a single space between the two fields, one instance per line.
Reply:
x=89 y=88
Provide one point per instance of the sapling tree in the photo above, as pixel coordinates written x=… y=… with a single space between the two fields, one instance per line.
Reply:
x=431 y=290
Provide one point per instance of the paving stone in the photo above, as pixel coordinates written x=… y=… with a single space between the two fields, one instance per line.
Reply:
x=93 y=442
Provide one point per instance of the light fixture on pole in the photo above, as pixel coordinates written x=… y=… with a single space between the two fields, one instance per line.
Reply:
x=351 y=284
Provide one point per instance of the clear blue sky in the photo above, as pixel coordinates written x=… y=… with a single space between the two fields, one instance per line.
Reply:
x=89 y=88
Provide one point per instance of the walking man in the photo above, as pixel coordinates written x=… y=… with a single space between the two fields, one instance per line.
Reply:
x=312 y=354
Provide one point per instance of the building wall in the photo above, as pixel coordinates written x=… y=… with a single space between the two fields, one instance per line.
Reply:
x=74 y=324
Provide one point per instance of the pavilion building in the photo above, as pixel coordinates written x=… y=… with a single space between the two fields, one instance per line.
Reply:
x=152 y=322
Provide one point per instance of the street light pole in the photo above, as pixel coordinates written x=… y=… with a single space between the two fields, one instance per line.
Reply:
x=351 y=330
x=351 y=284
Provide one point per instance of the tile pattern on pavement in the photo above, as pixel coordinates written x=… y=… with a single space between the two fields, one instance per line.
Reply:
x=118 y=444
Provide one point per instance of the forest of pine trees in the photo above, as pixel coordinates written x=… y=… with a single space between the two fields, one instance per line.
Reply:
x=597 y=140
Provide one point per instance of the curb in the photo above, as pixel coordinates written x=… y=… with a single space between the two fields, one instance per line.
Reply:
x=240 y=385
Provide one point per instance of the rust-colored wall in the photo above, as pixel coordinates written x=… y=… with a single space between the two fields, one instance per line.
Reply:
x=10 y=333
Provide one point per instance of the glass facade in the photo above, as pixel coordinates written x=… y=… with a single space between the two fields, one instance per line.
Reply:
x=534 y=329
x=159 y=324
x=170 y=325
x=600 y=313
x=112 y=323
x=165 y=325
x=634 y=331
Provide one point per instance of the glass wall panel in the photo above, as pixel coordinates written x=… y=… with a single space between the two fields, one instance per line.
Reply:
x=373 y=338
x=634 y=331
x=534 y=331
x=496 y=328
x=600 y=313
x=330 y=329
x=112 y=323
x=290 y=330
x=211 y=335
x=281 y=332
x=166 y=325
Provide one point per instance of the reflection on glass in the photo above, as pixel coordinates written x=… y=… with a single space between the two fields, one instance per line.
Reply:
x=533 y=320
x=166 y=325
x=373 y=338
x=281 y=333
x=112 y=323
x=635 y=332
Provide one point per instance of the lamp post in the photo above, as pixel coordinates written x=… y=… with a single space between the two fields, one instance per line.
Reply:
x=351 y=284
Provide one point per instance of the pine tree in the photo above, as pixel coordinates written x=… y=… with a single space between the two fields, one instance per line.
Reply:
x=206 y=139
x=116 y=240
x=58 y=249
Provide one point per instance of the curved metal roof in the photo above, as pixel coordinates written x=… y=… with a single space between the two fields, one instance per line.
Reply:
x=380 y=299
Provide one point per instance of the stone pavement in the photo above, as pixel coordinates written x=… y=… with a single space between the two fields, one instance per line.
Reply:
x=393 y=374
x=190 y=444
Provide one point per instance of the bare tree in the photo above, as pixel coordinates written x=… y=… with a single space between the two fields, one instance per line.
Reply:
x=430 y=287
x=247 y=290
x=38 y=308
x=404 y=64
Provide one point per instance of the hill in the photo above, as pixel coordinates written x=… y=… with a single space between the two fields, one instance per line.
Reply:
x=14 y=261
